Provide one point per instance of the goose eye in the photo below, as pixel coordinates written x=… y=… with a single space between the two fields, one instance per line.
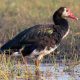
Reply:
x=66 y=10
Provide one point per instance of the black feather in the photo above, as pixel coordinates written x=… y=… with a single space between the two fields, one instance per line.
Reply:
x=39 y=36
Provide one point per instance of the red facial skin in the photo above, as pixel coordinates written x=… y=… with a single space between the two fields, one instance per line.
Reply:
x=71 y=15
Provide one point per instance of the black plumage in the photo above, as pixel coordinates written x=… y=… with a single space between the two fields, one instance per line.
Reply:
x=39 y=36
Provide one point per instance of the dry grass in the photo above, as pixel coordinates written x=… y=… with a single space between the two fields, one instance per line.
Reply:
x=13 y=69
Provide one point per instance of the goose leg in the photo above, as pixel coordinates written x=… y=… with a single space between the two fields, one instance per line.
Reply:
x=39 y=59
x=25 y=60
x=37 y=63
x=42 y=54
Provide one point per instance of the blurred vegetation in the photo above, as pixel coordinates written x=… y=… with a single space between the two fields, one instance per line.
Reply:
x=16 y=15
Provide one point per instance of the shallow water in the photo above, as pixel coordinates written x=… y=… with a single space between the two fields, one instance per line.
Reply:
x=57 y=72
x=54 y=72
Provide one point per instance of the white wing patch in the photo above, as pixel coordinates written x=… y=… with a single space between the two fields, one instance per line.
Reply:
x=66 y=34
x=34 y=53
x=43 y=52
x=46 y=52
x=16 y=54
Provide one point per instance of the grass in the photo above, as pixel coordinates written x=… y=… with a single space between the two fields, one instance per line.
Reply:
x=11 y=68
x=16 y=15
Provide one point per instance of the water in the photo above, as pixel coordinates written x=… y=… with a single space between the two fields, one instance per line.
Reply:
x=54 y=72
x=57 y=72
